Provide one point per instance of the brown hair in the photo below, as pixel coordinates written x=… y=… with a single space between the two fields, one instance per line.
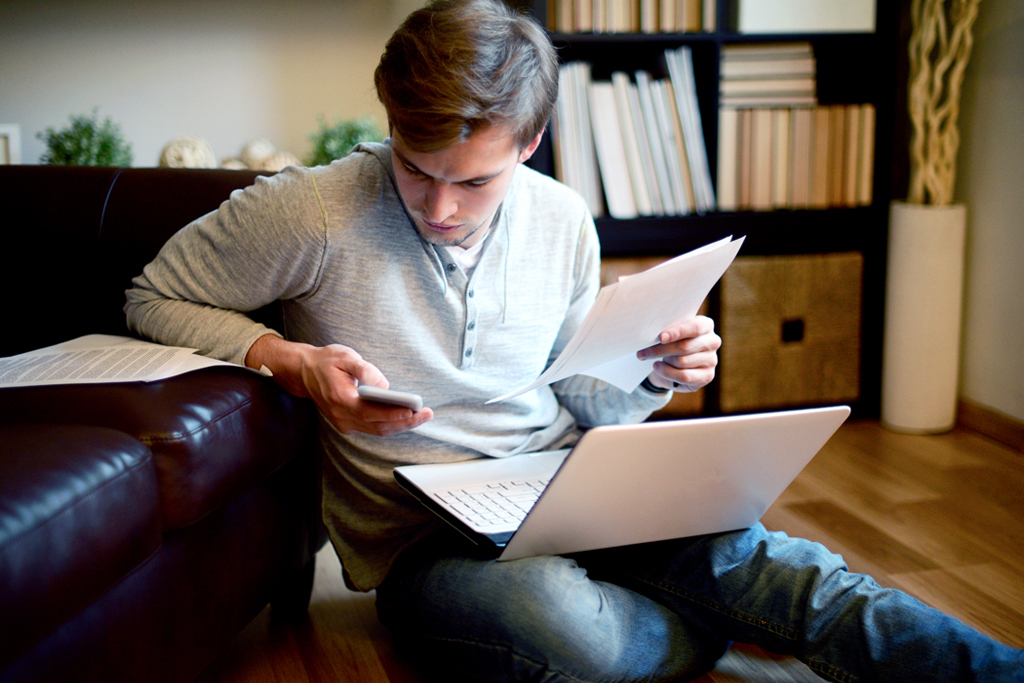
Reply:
x=458 y=66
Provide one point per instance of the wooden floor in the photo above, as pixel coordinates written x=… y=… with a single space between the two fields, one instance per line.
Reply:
x=941 y=517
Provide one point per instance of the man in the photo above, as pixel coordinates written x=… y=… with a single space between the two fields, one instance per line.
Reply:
x=439 y=263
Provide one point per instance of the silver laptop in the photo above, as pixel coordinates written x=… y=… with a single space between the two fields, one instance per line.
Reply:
x=626 y=484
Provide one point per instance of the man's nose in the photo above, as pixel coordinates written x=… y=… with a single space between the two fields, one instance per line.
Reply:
x=440 y=202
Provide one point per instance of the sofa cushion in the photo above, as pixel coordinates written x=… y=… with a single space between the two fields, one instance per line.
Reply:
x=78 y=512
x=214 y=433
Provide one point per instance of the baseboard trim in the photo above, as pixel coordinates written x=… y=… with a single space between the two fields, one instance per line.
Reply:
x=995 y=425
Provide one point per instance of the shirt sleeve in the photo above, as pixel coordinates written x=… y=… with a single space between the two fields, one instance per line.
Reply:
x=265 y=243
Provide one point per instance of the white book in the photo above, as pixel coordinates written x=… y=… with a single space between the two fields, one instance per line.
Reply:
x=611 y=153
x=645 y=151
x=587 y=152
x=680 y=65
x=672 y=148
x=643 y=87
x=562 y=132
x=684 y=159
x=637 y=175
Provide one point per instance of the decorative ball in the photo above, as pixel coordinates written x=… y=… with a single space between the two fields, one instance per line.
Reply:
x=188 y=152
x=276 y=162
x=256 y=151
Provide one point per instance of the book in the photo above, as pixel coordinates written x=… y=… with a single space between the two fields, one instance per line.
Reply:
x=866 y=167
x=799 y=157
x=684 y=159
x=851 y=154
x=673 y=161
x=837 y=152
x=781 y=158
x=821 y=154
x=621 y=86
x=680 y=68
x=572 y=138
x=801 y=142
x=646 y=156
x=761 y=160
x=767 y=75
x=661 y=172
x=804 y=16
x=611 y=152
x=728 y=158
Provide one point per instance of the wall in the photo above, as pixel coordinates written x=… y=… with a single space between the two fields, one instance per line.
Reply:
x=224 y=70
x=991 y=183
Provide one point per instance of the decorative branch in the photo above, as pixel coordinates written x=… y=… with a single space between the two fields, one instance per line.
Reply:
x=938 y=59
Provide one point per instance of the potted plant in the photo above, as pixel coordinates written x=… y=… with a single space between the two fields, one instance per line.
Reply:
x=86 y=142
x=924 y=287
x=335 y=141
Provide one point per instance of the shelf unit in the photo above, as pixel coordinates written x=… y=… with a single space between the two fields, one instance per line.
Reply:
x=851 y=68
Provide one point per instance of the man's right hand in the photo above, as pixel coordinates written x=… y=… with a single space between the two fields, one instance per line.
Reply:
x=329 y=375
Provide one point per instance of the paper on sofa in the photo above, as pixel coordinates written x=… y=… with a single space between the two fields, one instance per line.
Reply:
x=100 y=358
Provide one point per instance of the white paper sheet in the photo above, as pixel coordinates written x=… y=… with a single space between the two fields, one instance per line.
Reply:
x=630 y=314
x=100 y=358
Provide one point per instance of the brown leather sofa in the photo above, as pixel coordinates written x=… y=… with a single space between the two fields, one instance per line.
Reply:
x=142 y=525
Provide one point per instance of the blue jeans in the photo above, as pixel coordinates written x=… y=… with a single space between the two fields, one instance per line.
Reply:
x=667 y=611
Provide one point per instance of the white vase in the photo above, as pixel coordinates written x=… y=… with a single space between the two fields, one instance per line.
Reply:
x=923 y=304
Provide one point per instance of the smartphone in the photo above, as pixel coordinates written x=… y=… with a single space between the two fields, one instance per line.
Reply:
x=395 y=398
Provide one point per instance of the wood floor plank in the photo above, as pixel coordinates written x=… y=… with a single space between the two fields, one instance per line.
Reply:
x=952 y=594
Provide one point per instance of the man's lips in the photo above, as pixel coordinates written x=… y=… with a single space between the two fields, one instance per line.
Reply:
x=441 y=228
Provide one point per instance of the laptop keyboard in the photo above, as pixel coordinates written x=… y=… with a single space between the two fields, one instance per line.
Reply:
x=492 y=506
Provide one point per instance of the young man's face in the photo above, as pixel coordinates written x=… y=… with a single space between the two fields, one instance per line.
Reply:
x=453 y=193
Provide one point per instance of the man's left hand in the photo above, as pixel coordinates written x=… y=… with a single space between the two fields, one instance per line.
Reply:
x=687 y=353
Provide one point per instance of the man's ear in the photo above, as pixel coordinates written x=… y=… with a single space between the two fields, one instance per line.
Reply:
x=530 y=148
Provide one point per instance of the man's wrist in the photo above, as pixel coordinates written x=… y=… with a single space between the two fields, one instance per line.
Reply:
x=649 y=386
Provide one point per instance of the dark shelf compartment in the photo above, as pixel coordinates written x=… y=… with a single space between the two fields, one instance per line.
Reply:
x=782 y=231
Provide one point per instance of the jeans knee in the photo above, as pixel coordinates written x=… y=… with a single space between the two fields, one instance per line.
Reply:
x=546 y=619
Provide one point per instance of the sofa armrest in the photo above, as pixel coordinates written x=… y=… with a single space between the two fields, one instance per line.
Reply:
x=78 y=511
x=214 y=433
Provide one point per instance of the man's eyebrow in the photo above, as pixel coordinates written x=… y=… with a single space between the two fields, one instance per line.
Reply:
x=416 y=169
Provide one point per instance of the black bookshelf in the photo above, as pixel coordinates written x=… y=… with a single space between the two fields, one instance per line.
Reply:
x=851 y=68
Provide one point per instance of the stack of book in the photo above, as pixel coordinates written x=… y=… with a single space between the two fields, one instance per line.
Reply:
x=632 y=16
x=773 y=75
x=644 y=134
x=795 y=157
x=777 y=147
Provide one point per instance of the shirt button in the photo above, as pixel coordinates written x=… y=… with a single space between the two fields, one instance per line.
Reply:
x=451 y=267
x=471 y=326
x=470 y=294
x=469 y=352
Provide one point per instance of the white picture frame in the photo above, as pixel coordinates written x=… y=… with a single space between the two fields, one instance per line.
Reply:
x=10 y=143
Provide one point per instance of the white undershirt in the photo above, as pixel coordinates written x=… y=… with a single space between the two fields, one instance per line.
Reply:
x=467 y=258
